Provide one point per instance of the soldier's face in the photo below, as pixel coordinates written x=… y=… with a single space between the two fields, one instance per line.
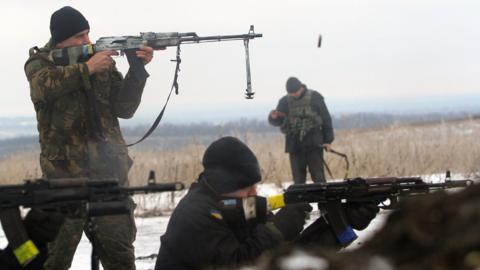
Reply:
x=243 y=193
x=297 y=93
x=78 y=39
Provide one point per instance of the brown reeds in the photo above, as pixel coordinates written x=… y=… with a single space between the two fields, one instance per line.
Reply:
x=397 y=150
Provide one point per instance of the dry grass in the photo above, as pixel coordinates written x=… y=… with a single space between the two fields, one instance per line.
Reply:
x=393 y=151
x=19 y=166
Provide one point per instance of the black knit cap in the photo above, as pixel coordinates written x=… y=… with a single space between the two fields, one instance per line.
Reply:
x=293 y=84
x=65 y=23
x=229 y=165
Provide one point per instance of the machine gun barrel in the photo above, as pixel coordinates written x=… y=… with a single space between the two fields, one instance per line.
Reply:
x=57 y=192
x=197 y=39
x=154 y=188
x=77 y=197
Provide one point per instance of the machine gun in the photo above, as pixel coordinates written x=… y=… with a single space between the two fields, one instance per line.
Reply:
x=74 y=197
x=128 y=45
x=387 y=191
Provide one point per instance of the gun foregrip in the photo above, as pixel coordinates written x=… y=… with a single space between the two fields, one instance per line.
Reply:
x=338 y=222
x=136 y=64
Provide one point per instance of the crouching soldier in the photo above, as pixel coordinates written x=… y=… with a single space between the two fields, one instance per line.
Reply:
x=222 y=222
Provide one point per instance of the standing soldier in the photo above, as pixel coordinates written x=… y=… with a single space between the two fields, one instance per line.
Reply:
x=77 y=107
x=304 y=119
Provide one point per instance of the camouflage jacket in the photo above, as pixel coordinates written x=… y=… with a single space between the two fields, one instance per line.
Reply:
x=315 y=134
x=64 y=113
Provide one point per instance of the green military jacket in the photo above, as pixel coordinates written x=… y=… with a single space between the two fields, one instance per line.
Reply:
x=64 y=113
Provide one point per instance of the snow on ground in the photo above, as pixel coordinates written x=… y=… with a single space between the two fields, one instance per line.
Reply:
x=146 y=244
x=148 y=241
x=149 y=229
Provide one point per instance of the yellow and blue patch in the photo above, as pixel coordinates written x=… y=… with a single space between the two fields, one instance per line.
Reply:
x=216 y=214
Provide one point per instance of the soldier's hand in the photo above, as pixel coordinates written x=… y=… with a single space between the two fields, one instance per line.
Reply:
x=100 y=62
x=290 y=219
x=327 y=147
x=274 y=114
x=146 y=54
x=359 y=215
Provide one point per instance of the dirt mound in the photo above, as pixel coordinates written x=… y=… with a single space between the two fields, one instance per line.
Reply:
x=440 y=231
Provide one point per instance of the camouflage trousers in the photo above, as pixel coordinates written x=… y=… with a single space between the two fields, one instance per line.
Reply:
x=113 y=236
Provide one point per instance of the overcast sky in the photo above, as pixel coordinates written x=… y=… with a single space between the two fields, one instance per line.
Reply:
x=406 y=51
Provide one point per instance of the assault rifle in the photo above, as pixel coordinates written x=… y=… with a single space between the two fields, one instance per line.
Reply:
x=128 y=45
x=74 y=197
x=386 y=191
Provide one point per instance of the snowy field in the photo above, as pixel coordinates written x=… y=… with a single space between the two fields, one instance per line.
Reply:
x=151 y=228
x=148 y=241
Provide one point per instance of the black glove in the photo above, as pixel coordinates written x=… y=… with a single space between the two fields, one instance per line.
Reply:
x=318 y=234
x=41 y=226
x=359 y=215
x=290 y=219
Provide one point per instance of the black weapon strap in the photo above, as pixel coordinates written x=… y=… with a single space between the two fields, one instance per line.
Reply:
x=328 y=169
x=347 y=164
x=174 y=86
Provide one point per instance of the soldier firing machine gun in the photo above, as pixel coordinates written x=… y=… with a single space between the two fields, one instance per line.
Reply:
x=128 y=45
x=75 y=197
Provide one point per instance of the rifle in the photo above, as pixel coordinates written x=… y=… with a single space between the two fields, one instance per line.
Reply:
x=74 y=197
x=331 y=196
x=128 y=45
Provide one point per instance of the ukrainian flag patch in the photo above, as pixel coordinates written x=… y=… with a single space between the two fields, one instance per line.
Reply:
x=216 y=214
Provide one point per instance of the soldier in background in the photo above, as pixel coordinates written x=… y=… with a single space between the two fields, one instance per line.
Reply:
x=77 y=108
x=304 y=119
